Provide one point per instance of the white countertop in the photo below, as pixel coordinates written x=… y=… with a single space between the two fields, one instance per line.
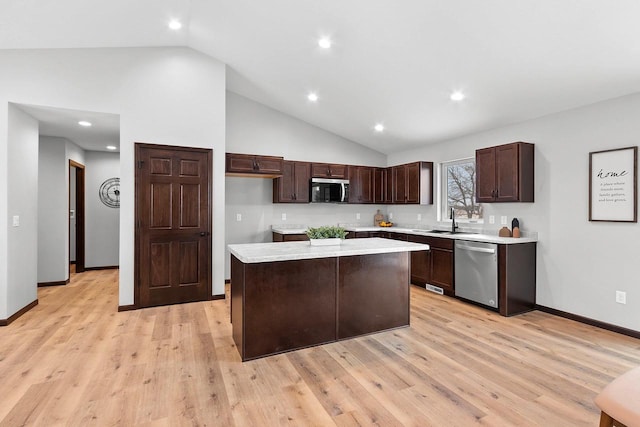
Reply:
x=250 y=253
x=460 y=235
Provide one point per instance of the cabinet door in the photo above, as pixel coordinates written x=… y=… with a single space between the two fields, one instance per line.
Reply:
x=337 y=171
x=398 y=175
x=240 y=163
x=442 y=269
x=382 y=185
x=301 y=182
x=365 y=176
x=355 y=194
x=413 y=183
x=420 y=262
x=327 y=170
x=506 y=159
x=249 y=164
x=269 y=165
x=485 y=175
x=284 y=187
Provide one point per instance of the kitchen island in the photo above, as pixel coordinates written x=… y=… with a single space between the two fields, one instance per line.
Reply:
x=286 y=296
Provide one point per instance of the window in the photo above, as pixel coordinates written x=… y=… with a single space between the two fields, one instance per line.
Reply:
x=459 y=191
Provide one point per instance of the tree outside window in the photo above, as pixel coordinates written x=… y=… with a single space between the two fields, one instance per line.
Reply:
x=459 y=187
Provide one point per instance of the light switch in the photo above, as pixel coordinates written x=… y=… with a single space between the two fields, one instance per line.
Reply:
x=357 y=216
x=16 y=221
x=390 y=215
x=492 y=219
x=503 y=220
x=284 y=217
x=419 y=217
x=238 y=217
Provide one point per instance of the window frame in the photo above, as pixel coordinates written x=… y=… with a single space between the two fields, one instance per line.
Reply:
x=443 y=214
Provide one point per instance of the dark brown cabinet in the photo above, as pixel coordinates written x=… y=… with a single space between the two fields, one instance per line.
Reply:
x=279 y=237
x=420 y=262
x=412 y=183
x=361 y=184
x=253 y=165
x=328 y=170
x=293 y=185
x=382 y=185
x=435 y=266
x=441 y=261
x=505 y=173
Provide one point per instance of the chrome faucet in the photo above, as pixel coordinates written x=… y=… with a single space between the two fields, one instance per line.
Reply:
x=452 y=217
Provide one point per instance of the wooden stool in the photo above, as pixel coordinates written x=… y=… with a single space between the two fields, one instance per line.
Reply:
x=619 y=402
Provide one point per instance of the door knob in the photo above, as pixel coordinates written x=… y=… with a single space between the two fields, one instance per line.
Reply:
x=204 y=233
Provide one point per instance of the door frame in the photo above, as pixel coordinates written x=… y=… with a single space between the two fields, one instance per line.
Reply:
x=138 y=146
x=80 y=220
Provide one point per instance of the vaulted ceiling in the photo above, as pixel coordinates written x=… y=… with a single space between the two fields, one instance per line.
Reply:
x=391 y=62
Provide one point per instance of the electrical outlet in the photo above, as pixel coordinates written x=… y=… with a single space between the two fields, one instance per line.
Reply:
x=621 y=297
x=419 y=217
x=357 y=216
x=390 y=215
x=492 y=219
x=238 y=217
x=16 y=221
x=503 y=220
x=284 y=217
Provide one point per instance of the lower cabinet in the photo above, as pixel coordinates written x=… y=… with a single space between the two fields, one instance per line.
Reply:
x=434 y=267
x=278 y=237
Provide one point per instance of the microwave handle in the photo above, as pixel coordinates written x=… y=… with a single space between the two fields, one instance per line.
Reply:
x=343 y=192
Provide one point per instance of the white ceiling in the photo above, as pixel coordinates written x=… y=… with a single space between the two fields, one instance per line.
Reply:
x=63 y=123
x=394 y=62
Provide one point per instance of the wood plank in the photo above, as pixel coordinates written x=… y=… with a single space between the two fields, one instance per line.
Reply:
x=74 y=360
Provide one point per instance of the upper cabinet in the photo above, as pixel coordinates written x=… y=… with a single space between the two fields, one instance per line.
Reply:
x=505 y=173
x=251 y=165
x=328 y=170
x=293 y=185
x=382 y=186
x=412 y=183
x=361 y=184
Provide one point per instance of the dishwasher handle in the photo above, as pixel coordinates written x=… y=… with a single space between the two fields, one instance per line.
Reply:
x=476 y=249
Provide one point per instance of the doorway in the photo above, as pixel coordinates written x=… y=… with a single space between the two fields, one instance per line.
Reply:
x=76 y=216
x=173 y=224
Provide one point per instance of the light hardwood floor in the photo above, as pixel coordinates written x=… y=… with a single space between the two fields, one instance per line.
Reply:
x=74 y=360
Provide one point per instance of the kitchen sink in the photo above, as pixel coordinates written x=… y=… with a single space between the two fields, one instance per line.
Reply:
x=443 y=232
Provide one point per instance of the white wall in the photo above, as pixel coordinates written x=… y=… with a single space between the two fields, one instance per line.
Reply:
x=256 y=129
x=52 y=210
x=580 y=264
x=22 y=201
x=102 y=223
x=173 y=96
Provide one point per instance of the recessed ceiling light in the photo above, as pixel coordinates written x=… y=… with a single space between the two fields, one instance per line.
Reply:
x=379 y=127
x=457 y=96
x=175 y=25
x=324 y=42
x=111 y=147
x=313 y=97
x=84 y=123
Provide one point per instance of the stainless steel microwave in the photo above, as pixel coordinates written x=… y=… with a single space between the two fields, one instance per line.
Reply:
x=324 y=190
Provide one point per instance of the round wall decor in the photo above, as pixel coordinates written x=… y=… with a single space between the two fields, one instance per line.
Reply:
x=110 y=192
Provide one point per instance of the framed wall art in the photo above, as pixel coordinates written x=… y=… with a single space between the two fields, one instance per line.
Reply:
x=613 y=192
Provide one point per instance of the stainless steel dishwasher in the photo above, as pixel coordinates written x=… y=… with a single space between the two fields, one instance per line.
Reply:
x=476 y=267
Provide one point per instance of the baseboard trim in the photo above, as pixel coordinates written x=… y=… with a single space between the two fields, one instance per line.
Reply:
x=127 y=307
x=23 y=310
x=589 y=321
x=58 y=283
x=106 y=267
x=216 y=297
